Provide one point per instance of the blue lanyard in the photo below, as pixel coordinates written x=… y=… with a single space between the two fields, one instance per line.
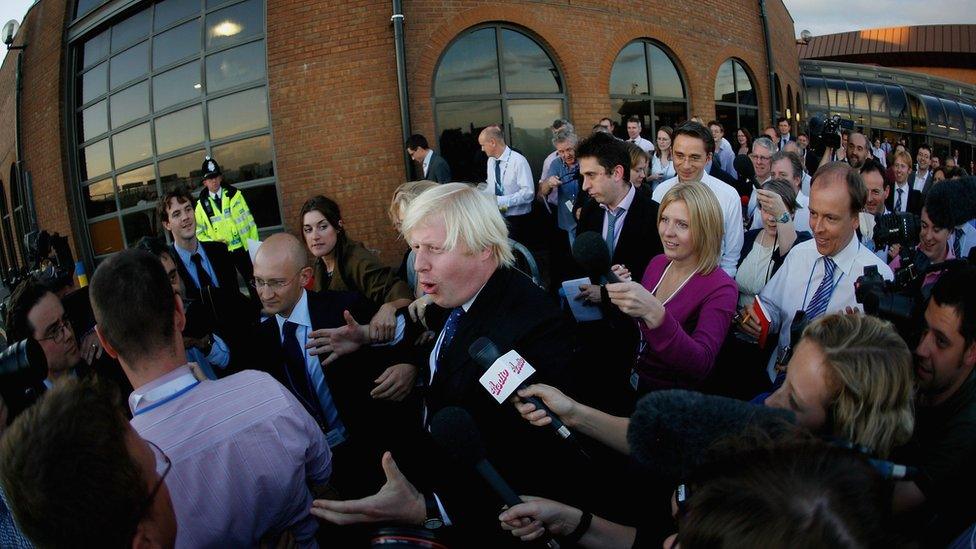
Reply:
x=173 y=396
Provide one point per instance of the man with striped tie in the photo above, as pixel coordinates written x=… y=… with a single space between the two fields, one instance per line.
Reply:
x=509 y=180
x=818 y=275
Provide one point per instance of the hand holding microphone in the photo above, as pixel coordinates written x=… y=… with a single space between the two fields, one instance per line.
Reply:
x=554 y=399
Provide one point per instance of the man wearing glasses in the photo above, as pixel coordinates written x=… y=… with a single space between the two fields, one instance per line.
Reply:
x=110 y=478
x=38 y=314
x=246 y=455
x=354 y=400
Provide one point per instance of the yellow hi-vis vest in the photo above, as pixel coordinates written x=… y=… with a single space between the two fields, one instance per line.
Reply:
x=233 y=224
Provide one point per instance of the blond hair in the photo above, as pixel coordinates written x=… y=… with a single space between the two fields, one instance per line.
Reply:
x=469 y=215
x=904 y=155
x=870 y=367
x=705 y=221
x=404 y=195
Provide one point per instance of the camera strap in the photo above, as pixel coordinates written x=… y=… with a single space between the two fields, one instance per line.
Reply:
x=142 y=402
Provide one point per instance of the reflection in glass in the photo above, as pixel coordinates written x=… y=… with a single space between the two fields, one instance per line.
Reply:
x=171 y=11
x=93 y=83
x=94 y=121
x=629 y=73
x=215 y=3
x=625 y=108
x=95 y=49
x=530 y=120
x=469 y=67
x=743 y=86
x=897 y=102
x=235 y=66
x=954 y=116
x=878 y=100
x=106 y=236
x=459 y=124
x=970 y=112
x=816 y=91
x=728 y=117
x=129 y=104
x=528 y=68
x=85 y=6
x=935 y=114
x=176 y=43
x=176 y=86
x=859 y=95
x=263 y=202
x=725 y=83
x=132 y=145
x=130 y=64
x=94 y=160
x=919 y=123
x=669 y=113
x=179 y=129
x=237 y=113
x=749 y=118
x=245 y=160
x=235 y=23
x=182 y=171
x=138 y=225
x=99 y=198
x=137 y=187
x=665 y=79
x=129 y=30
x=840 y=103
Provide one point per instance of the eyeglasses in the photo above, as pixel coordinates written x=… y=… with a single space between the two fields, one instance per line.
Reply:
x=60 y=331
x=163 y=466
x=274 y=285
x=760 y=157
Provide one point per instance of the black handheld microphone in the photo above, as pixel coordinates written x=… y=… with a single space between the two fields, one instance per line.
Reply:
x=454 y=430
x=591 y=252
x=485 y=353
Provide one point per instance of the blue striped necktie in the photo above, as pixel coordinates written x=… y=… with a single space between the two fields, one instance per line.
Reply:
x=818 y=304
x=499 y=190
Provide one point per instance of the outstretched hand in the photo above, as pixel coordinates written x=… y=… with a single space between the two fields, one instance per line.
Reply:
x=396 y=501
x=337 y=342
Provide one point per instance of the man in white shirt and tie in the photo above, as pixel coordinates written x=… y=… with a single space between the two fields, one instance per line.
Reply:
x=691 y=151
x=783 y=127
x=818 y=275
x=634 y=127
x=509 y=180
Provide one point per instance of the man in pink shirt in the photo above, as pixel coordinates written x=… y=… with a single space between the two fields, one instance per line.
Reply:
x=244 y=451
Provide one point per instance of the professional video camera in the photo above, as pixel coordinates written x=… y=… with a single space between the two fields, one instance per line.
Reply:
x=824 y=133
x=49 y=261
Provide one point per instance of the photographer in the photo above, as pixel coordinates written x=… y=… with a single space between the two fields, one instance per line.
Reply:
x=933 y=248
x=944 y=442
x=38 y=314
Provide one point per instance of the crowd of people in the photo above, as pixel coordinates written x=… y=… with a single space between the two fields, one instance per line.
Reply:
x=813 y=304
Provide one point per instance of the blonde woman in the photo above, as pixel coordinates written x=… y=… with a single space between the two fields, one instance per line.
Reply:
x=851 y=378
x=684 y=304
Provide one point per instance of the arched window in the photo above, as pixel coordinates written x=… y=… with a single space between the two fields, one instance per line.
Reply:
x=495 y=74
x=645 y=82
x=4 y=262
x=778 y=89
x=19 y=209
x=735 y=98
x=789 y=103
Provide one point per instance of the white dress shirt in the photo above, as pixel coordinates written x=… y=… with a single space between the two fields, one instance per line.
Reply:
x=792 y=287
x=905 y=189
x=518 y=189
x=619 y=224
x=731 y=206
x=427 y=157
x=919 y=183
x=968 y=239
x=644 y=144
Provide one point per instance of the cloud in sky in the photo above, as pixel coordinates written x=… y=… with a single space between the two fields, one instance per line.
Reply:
x=831 y=16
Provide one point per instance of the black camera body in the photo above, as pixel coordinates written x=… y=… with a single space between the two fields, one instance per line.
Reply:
x=897 y=228
x=824 y=133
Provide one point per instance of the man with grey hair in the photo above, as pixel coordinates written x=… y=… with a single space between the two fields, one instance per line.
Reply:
x=463 y=262
x=560 y=185
x=761 y=156
x=509 y=180
x=558 y=125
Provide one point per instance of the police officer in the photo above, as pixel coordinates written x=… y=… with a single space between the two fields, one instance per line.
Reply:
x=223 y=216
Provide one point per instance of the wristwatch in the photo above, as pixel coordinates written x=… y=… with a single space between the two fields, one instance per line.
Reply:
x=433 y=520
x=785 y=218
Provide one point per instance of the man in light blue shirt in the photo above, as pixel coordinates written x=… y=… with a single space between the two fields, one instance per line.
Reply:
x=509 y=180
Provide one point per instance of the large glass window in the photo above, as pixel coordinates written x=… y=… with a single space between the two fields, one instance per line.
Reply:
x=157 y=91
x=645 y=82
x=493 y=75
x=938 y=124
x=736 y=105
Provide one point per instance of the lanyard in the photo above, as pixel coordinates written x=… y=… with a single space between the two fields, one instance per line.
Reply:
x=170 y=390
x=674 y=293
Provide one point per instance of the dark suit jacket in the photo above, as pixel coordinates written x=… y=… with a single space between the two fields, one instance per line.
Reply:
x=915 y=201
x=438 y=170
x=639 y=240
x=220 y=260
x=926 y=187
x=515 y=314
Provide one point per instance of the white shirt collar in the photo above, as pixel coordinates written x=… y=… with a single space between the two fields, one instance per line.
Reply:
x=162 y=387
x=430 y=153
x=845 y=258
x=299 y=315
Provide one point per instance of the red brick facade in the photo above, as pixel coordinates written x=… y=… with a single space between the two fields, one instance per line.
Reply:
x=333 y=92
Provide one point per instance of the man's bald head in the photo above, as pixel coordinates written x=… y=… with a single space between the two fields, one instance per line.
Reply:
x=280 y=272
x=492 y=141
